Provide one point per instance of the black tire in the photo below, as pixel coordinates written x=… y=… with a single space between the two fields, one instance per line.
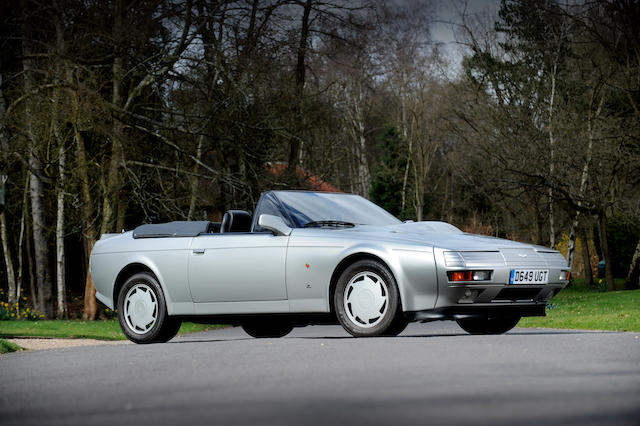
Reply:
x=397 y=326
x=392 y=320
x=170 y=330
x=488 y=325
x=163 y=327
x=267 y=328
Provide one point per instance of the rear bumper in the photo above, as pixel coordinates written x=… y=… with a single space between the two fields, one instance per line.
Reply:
x=467 y=311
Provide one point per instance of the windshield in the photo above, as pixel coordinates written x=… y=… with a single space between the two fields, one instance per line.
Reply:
x=307 y=207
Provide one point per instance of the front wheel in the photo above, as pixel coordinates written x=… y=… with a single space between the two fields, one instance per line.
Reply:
x=367 y=301
x=142 y=311
x=488 y=325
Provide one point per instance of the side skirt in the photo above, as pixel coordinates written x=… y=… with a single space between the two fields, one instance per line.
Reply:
x=298 y=320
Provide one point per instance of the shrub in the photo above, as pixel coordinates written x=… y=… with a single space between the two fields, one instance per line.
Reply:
x=20 y=310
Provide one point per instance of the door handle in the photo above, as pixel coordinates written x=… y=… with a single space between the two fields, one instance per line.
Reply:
x=198 y=251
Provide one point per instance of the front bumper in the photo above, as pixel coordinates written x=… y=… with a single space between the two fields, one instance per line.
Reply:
x=496 y=294
x=491 y=294
x=461 y=312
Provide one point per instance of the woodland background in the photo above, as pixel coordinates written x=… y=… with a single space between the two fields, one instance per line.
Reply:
x=114 y=113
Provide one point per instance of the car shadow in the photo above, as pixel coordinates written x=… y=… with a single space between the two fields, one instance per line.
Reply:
x=376 y=337
x=412 y=336
x=233 y=339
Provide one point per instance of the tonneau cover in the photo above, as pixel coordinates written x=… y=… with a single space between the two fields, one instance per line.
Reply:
x=177 y=228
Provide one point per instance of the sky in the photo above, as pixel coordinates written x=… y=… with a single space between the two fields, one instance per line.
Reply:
x=447 y=16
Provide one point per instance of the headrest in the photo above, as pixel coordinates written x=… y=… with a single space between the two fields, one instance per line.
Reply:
x=236 y=221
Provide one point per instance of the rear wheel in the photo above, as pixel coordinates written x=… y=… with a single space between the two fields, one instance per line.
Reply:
x=142 y=311
x=367 y=301
x=265 y=328
x=488 y=325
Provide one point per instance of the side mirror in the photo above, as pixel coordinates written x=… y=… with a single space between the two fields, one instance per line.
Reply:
x=274 y=224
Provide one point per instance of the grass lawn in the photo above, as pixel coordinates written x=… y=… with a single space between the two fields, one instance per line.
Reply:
x=103 y=330
x=586 y=308
x=8 y=347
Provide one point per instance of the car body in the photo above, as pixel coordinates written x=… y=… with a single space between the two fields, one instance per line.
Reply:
x=253 y=269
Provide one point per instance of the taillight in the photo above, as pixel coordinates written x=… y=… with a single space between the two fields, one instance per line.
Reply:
x=457 y=276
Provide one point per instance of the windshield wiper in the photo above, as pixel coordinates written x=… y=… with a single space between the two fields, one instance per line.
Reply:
x=329 y=224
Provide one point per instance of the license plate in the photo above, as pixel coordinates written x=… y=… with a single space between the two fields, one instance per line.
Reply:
x=529 y=276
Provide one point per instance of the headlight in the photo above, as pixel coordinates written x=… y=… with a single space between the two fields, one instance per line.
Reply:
x=481 y=275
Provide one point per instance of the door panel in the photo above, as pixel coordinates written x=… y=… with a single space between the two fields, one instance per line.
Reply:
x=238 y=267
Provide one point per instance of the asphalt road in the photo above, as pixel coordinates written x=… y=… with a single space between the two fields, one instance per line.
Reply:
x=431 y=374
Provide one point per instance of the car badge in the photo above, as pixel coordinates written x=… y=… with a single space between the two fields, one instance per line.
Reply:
x=307 y=265
x=522 y=255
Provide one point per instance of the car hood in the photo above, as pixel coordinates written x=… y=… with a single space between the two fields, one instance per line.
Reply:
x=438 y=234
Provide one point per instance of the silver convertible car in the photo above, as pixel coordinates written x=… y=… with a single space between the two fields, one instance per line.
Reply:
x=318 y=258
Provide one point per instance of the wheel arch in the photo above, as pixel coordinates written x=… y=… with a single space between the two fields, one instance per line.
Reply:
x=126 y=273
x=351 y=259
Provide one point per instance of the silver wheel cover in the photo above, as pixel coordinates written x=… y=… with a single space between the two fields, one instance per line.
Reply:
x=366 y=299
x=140 y=308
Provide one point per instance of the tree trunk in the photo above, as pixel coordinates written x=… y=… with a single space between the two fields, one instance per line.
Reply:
x=405 y=132
x=90 y=305
x=364 y=177
x=113 y=177
x=40 y=247
x=418 y=192
x=121 y=212
x=552 y=228
x=604 y=245
x=633 y=277
x=11 y=278
x=585 y=174
x=21 y=236
x=405 y=178
x=32 y=279
x=571 y=247
x=194 y=180
x=301 y=68
x=61 y=311
x=60 y=253
x=586 y=259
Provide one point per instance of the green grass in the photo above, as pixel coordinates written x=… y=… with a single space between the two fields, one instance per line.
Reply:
x=590 y=309
x=8 y=347
x=102 y=330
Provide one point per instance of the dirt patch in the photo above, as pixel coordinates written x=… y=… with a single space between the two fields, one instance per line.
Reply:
x=62 y=343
